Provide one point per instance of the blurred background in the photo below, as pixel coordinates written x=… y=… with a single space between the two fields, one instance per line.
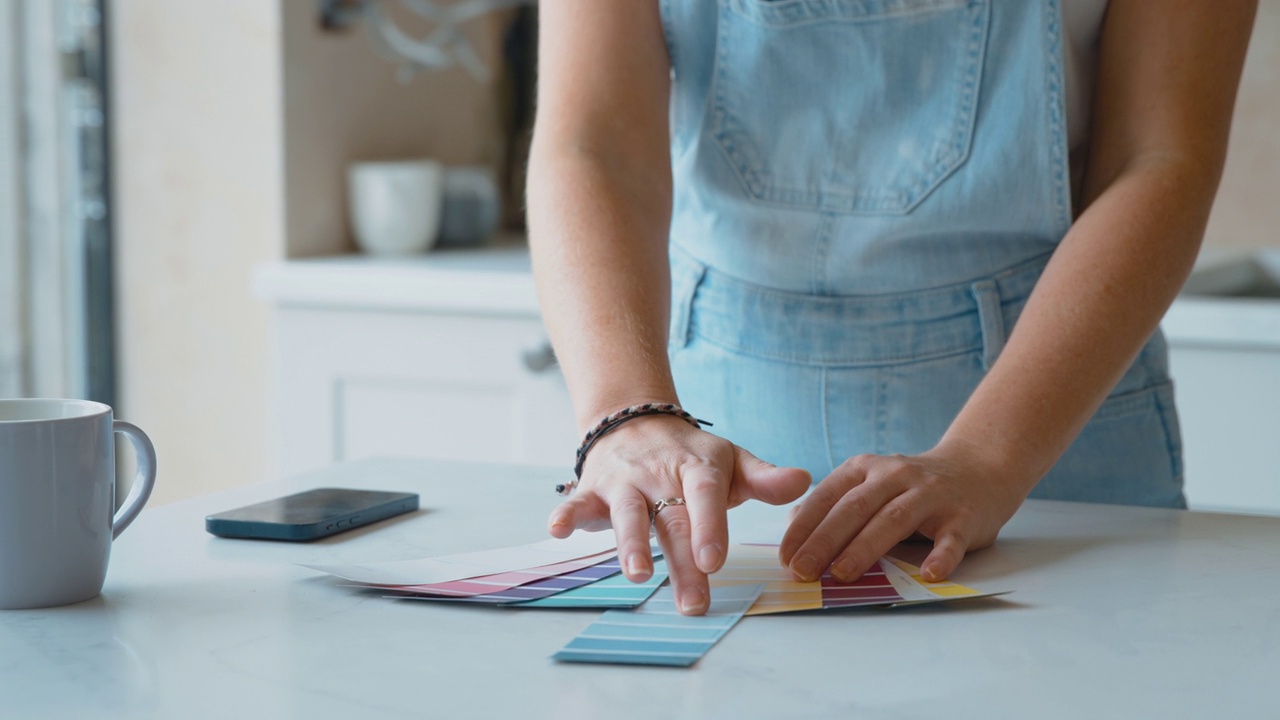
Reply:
x=153 y=152
x=175 y=237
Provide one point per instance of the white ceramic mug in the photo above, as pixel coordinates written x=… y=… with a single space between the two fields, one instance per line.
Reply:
x=57 y=496
x=395 y=206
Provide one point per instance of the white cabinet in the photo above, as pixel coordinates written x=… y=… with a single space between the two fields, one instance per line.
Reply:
x=1229 y=406
x=1224 y=354
x=441 y=356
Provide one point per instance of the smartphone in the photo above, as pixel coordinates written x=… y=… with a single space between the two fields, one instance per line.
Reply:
x=310 y=515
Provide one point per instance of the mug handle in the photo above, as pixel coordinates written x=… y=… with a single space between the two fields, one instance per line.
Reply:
x=143 y=481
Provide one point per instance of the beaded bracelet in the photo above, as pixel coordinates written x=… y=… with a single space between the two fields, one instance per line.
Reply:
x=613 y=421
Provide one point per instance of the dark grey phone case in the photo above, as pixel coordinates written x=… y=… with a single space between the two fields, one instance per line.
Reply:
x=310 y=515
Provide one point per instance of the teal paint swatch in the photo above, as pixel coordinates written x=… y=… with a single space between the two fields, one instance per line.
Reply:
x=657 y=634
x=612 y=592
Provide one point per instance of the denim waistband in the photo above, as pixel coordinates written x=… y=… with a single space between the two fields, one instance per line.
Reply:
x=847 y=329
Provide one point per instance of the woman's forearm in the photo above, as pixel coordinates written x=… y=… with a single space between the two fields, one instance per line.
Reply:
x=1099 y=300
x=1166 y=88
x=599 y=200
x=598 y=233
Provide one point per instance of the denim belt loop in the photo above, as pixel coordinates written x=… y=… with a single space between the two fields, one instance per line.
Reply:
x=991 y=319
x=686 y=275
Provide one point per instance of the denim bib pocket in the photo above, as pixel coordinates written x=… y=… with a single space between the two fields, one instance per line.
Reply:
x=815 y=106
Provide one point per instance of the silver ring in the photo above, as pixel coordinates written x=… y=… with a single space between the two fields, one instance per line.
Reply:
x=664 y=503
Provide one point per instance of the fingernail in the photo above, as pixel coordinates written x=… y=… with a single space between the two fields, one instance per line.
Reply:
x=843 y=569
x=637 y=564
x=693 y=602
x=709 y=556
x=930 y=573
x=805 y=567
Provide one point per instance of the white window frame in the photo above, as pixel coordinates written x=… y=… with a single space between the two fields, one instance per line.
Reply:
x=42 y=318
x=12 y=259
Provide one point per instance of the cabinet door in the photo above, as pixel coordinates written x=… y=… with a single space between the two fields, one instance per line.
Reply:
x=449 y=387
x=1229 y=409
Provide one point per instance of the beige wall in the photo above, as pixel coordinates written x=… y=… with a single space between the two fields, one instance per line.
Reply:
x=198 y=185
x=232 y=125
x=343 y=103
x=1247 y=213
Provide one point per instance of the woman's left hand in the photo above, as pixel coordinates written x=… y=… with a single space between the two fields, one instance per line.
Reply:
x=873 y=502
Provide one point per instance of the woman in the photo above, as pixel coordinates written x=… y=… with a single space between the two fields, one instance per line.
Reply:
x=820 y=221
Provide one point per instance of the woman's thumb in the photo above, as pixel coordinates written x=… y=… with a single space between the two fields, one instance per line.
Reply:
x=756 y=479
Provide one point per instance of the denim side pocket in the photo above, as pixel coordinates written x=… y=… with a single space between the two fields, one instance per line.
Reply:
x=853 y=106
x=1129 y=453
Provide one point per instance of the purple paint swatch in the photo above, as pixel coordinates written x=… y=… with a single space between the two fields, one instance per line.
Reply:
x=535 y=590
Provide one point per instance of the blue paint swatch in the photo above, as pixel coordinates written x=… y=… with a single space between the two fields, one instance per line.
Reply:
x=657 y=634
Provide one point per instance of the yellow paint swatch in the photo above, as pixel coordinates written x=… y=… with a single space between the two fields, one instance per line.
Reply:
x=945 y=588
x=753 y=564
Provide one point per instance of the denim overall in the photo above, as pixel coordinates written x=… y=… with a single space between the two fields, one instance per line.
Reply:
x=866 y=192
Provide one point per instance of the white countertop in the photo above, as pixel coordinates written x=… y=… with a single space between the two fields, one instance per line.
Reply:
x=1224 y=322
x=497 y=280
x=491 y=280
x=1117 y=612
x=1212 y=311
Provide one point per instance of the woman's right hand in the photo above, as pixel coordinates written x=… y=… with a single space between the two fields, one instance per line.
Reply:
x=660 y=457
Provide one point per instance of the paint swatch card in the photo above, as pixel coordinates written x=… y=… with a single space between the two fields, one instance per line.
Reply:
x=486 y=585
x=889 y=582
x=758 y=564
x=783 y=593
x=535 y=590
x=615 y=591
x=447 y=568
x=657 y=634
x=915 y=589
